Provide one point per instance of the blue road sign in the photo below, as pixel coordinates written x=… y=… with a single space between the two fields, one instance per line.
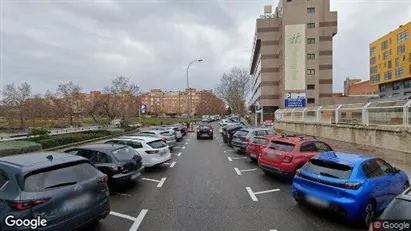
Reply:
x=258 y=109
x=298 y=102
x=143 y=108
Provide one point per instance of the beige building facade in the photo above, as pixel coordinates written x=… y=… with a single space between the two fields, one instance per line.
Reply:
x=292 y=54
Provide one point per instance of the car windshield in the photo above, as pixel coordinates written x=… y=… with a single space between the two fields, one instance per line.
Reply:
x=157 y=144
x=241 y=133
x=59 y=176
x=282 y=146
x=261 y=141
x=165 y=133
x=124 y=154
x=328 y=168
x=398 y=209
x=204 y=127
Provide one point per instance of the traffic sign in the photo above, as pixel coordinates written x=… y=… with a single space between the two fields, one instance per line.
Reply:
x=143 y=108
x=258 y=109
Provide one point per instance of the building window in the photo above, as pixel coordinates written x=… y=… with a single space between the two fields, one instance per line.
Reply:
x=310 y=25
x=373 y=50
x=310 y=40
x=310 y=56
x=310 y=100
x=401 y=37
x=373 y=70
x=396 y=85
x=397 y=62
x=310 y=71
x=399 y=72
x=384 y=45
x=389 y=64
x=383 y=88
x=385 y=55
x=401 y=49
x=373 y=61
x=311 y=10
x=310 y=87
x=388 y=75
x=407 y=83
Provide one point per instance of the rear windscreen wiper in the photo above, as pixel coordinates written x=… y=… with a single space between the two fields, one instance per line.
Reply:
x=327 y=174
x=61 y=185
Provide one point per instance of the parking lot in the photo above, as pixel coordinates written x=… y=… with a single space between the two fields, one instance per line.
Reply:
x=207 y=186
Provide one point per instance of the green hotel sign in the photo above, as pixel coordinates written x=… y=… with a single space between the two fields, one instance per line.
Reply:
x=265 y=16
x=295 y=41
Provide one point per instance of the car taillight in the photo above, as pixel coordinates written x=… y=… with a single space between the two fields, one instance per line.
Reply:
x=298 y=172
x=246 y=139
x=287 y=159
x=151 y=151
x=103 y=180
x=164 y=139
x=211 y=131
x=23 y=205
x=117 y=168
x=352 y=185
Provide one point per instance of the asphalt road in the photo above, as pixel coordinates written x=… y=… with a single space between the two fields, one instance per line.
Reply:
x=203 y=191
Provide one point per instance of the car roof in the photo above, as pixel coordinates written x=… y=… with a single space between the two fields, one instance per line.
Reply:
x=102 y=147
x=136 y=138
x=255 y=129
x=293 y=139
x=268 y=137
x=342 y=157
x=37 y=160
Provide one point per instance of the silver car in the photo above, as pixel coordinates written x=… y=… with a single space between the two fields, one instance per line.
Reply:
x=166 y=136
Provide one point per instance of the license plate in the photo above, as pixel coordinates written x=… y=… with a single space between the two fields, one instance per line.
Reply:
x=204 y=135
x=272 y=155
x=77 y=203
x=317 y=201
x=253 y=155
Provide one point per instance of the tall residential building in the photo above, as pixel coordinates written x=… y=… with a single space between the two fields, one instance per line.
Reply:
x=292 y=54
x=390 y=63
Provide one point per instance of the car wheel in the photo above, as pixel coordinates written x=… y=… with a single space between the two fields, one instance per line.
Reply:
x=369 y=213
x=212 y=138
x=198 y=138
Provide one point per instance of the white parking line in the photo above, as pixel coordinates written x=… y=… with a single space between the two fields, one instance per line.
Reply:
x=186 y=143
x=267 y=191
x=122 y=215
x=237 y=171
x=253 y=197
x=273 y=230
x=121 y=194
x=229 y=158
x=161 y=182
x=148 y=179
x=237 y=158
x=172 y=164
x=179 y=154
x=249 y=170
x=184 y=147
x=138 y=220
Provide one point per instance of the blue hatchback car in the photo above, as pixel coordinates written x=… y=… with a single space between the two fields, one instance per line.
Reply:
x=352 y=185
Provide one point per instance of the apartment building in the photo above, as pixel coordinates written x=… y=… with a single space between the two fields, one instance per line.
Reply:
x=292 y=54
x=171 y=102
x=359 y=87
x=390 y=63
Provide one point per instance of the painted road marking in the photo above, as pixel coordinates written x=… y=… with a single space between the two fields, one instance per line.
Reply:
x=149 y=179
x=122 y=194
x=122 y=216
x=184 y=147
x=237 y=158
x=160 y=184
x=229 y=158
x=138 y=220
x=172 y=164
x=267 y=191
x=250 y=192
x=186 y=143
x=239 y=172
x=179 y=154
x=273 y=230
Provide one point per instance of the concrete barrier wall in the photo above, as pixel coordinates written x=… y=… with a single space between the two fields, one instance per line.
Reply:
x=397 y=140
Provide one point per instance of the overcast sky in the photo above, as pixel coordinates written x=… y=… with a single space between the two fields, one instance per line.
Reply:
x=46 y=43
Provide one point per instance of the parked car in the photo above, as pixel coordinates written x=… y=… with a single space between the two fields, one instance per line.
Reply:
x=205 y=131
x=399 y=209
x=257 y=145
x=286 y=154
x=120 y=163
x=243 y=136
x=354 y=186
x=152 y=150
x=172 y=130
x=182 y=128
x=168 y=138
x=45 y=182
x=230 y=133
x=226 y=128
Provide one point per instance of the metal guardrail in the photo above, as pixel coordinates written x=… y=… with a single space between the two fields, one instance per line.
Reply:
x=381 y=113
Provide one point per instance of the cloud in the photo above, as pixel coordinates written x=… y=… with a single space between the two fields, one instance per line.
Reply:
x=91 y=42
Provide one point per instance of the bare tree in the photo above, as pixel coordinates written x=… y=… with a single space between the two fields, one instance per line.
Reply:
x=35 y=108
x=234 y=87
x=15 y=96
x=69 y=93
x=122 y=91
x=209 y=104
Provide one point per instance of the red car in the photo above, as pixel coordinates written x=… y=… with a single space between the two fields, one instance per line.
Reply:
x=256 y=146
x=286 y=154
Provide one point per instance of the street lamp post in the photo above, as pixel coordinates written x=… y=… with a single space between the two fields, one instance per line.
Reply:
x=188 y=87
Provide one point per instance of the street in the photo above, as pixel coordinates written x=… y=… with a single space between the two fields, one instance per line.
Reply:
x=207 y=186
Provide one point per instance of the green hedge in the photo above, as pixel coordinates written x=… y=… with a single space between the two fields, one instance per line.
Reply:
x=18 y=147
x=58 y=140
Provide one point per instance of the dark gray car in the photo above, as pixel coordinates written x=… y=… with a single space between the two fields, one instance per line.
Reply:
x=243 y=136
x=66 y=190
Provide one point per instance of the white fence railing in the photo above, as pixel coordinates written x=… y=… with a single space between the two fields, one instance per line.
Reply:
x=382 y=113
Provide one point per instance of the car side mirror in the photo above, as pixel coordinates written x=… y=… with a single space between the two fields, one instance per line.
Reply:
x=396 y=170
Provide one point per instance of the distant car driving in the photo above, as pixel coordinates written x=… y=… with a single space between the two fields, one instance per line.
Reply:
x=205 y=131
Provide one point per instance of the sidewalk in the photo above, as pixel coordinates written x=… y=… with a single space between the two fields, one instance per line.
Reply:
x=403 y=163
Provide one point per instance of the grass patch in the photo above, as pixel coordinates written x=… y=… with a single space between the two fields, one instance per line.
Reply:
x=18 y=147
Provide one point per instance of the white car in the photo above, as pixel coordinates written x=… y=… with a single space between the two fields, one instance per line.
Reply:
x=152 y=150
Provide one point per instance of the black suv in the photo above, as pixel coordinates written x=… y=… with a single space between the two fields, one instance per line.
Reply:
x=205 y=131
